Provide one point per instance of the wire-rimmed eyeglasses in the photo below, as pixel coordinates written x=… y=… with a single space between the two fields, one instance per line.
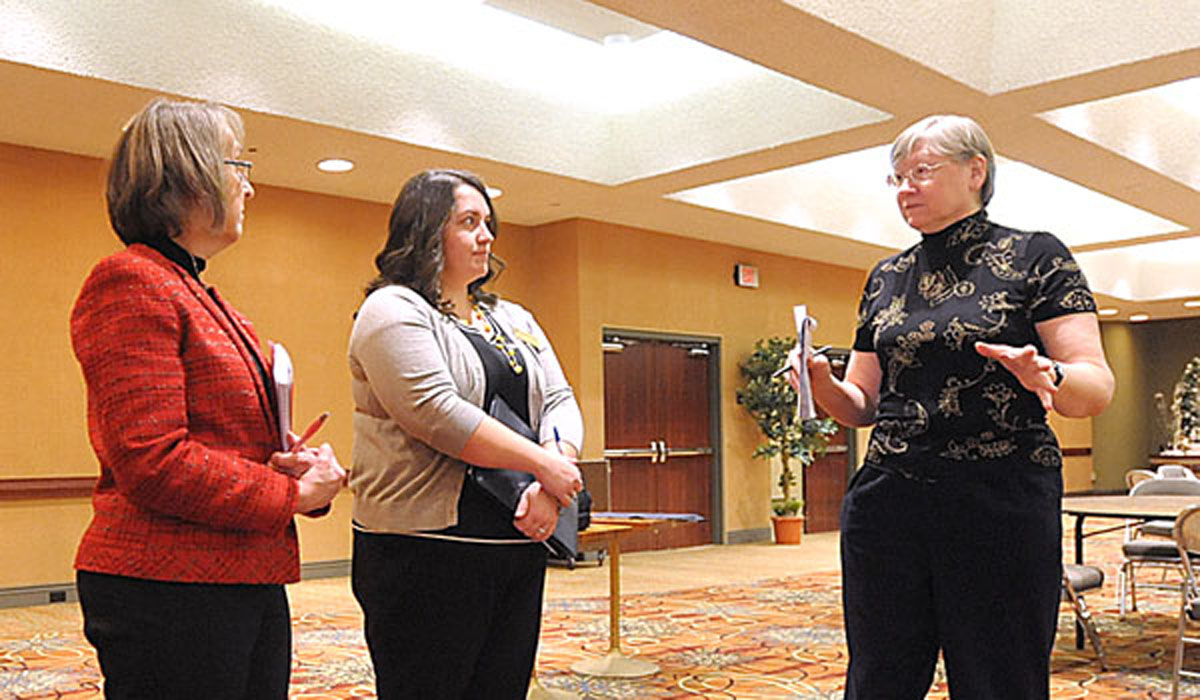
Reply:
x=241 y=166
x=919 y=173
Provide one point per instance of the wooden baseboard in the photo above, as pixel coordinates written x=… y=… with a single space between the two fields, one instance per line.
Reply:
x=332 y=568
x=29 y=489
x=758 y=534
x=28 y=596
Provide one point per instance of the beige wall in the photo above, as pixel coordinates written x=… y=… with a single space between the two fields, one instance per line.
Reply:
x=1075 y=434
x=1120 y=440
x=1147 y=358
x=639 y=280
x=298 y=273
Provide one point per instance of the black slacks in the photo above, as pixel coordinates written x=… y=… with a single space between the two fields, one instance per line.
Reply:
x=967 y=565
x=449 y=620
x=185 y=641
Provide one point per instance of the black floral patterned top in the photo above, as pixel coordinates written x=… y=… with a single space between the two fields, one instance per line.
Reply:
x=943 y=406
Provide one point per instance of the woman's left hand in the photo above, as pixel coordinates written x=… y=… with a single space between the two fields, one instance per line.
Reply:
x=537 y=513
x=1034 y=371
x=294 y=463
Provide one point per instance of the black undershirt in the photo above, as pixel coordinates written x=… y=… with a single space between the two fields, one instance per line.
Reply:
x=479 y=516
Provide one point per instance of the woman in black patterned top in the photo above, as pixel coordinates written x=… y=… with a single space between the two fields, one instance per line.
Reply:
x=951 y=531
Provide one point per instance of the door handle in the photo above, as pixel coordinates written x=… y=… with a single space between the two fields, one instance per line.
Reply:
x=690 y=451
x=662 y=451
x=635 y=453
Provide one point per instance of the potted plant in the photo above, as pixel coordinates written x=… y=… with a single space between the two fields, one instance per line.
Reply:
x=771 y=402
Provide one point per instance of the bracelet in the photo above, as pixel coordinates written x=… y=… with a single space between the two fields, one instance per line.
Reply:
x=1058 y=374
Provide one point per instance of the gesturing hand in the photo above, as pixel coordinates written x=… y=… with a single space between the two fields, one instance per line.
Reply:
x=1034 y=371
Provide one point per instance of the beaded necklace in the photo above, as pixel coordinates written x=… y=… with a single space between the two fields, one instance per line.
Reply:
x=482 y=321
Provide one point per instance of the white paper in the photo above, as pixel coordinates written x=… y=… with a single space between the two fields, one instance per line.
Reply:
x=281 y=368
x=805 y=325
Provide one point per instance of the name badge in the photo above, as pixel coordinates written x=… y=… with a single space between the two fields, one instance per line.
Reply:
x=528 y=339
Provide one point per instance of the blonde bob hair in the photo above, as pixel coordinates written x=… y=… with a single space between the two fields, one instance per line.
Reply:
x=953 y=136
x=169 y=163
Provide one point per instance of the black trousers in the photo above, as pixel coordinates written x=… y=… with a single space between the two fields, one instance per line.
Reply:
x=185 y=641
x=968 y=565
x=449 y=620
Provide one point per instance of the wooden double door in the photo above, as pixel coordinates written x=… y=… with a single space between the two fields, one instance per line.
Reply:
x=659 y=433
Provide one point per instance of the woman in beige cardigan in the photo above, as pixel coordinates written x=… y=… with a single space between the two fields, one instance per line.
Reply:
x=450 y=584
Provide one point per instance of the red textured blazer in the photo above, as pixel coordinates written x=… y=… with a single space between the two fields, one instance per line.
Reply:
x=182 y=425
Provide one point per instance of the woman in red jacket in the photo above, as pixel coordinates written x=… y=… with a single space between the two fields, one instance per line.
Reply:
x=181 y=572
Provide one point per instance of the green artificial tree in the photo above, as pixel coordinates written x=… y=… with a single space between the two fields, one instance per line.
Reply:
x=771 y=401
x=1186 y=405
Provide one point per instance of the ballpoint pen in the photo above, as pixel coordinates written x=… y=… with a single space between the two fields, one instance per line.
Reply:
x=310 y=430
x=783 y=370
x=558 y=444
x=557 y=440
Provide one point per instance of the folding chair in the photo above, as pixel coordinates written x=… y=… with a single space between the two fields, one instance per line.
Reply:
x=1158 y=528
x=1174 y=471
x=1133 y=476
x=1077 y=580
x=1187 y=542
x=1139 y=552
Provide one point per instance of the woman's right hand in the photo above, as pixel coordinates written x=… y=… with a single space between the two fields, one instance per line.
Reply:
x=559 y=476
x=321 y=481
x=819 y=369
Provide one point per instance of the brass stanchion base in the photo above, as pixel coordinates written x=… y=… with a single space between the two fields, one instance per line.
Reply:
x=614 y=664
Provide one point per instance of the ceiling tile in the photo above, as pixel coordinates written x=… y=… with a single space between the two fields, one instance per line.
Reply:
x=999 y=45
x=1158 y=127
x=845 y=195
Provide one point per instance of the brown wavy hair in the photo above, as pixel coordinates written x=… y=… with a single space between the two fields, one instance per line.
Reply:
x=412 y=255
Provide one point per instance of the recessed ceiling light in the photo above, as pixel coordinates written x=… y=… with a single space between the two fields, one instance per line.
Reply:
x=1192 y=303
x=1107 y=312
x=494 y=192
x=614 y=40
x=1138 y=318
x=335 y=165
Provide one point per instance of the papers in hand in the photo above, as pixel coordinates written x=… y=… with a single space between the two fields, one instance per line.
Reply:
x=805 y=325
x=282 y=374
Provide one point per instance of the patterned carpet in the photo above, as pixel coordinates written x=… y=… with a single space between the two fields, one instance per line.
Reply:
x=779 y=638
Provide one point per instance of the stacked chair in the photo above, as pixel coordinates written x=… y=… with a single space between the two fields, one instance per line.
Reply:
x=1144 y=544
x=1134 y=476
x=1158 y=528
x=1187 y=543
x=1174 y=471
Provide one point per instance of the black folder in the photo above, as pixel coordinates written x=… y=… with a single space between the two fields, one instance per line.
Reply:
x=505 y=486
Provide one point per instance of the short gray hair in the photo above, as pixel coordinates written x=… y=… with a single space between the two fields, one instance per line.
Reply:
x=953 y=136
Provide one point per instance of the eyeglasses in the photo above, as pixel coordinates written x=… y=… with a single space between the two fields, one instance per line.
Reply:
x=242 y=166
x=920 y=173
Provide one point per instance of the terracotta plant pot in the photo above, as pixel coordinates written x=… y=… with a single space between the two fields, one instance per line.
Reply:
x=789 y=529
